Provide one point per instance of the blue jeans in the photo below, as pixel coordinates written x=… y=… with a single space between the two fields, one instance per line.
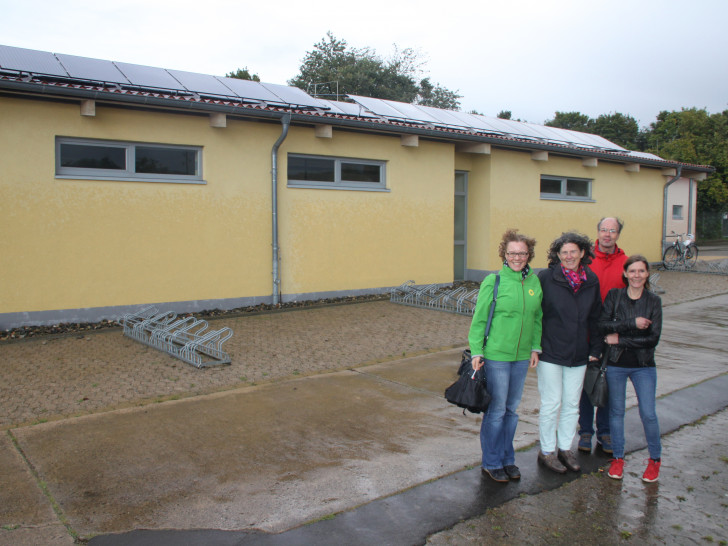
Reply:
x=645 y=386
x=586 y=417
x=505 y=385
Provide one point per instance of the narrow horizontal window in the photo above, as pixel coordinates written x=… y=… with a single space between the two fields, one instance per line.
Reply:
x=103 y=160
x=335 y=173
x=89 y=156
x=561 y=187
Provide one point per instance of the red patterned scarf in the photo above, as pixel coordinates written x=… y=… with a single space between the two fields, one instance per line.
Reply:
x=575 y=278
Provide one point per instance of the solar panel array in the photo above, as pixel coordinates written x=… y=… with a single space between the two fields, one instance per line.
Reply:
x=15 y=59
x=437 y=117
x=148 y=77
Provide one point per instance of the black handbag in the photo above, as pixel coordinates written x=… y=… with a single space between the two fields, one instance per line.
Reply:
x=470 y=391
x=595 y=379
x=595 y=382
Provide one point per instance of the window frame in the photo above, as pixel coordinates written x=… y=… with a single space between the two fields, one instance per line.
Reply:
x=338 y=183
x=679 y=211
x=128 y=174
x=562 y=195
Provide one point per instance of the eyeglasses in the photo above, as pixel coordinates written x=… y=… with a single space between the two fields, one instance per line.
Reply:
x=516 y=254
x=605 y=230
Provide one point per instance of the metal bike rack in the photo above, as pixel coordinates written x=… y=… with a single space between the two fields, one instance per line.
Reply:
x=453 y=300
x=185 y=338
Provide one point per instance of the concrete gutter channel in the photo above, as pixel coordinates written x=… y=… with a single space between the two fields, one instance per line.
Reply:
x=369 y=455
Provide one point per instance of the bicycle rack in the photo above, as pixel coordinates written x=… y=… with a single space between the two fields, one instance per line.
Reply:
x=431 y=296
x=185 y=338
x=653 y=284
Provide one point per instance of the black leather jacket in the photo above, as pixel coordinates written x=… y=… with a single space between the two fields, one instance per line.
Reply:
x=643 y=342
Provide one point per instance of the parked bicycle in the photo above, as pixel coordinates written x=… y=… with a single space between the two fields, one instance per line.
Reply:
x=683 y=253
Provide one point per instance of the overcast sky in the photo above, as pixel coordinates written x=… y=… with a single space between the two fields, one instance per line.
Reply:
x=636 y=57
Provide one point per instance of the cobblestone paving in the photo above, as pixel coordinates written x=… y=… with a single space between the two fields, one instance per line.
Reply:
x=688 y=505
x=60 y=376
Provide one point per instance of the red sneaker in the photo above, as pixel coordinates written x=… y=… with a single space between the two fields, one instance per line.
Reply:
x=652 y=472
x=616 y=469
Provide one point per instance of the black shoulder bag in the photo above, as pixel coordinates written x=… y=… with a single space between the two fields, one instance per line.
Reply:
x=470 y=391
x=595 y=379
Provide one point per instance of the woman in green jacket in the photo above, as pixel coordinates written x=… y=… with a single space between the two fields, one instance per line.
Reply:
x=513 y=345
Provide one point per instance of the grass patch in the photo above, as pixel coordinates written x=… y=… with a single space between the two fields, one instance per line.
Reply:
x=322 y=518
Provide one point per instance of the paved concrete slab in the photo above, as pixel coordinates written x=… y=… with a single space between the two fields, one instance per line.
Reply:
x=267 y=458
x=411 y=516
x=25 y=513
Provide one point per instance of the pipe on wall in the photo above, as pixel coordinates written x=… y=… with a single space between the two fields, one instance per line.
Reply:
x=286 y=122
x=690 y=229
x=664 y=207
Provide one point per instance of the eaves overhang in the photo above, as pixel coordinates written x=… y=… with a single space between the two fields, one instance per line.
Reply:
x=25 y=84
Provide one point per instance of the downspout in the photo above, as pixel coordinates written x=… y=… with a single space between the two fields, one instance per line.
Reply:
x=286 y=121
x=690 y=209
x=664 y=208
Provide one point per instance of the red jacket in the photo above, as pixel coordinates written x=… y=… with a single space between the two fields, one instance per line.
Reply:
x=609 y=269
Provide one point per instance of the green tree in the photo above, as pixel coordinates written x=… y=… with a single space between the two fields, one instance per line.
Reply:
x=437 y=96
x=504 y=114
x=695 y=136
x=360 y=71
x=617 y=128
x=575 y=121
x=243 y=74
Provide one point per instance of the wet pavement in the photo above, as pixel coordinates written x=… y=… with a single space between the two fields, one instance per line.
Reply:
x=688 y=505
x=368 y=452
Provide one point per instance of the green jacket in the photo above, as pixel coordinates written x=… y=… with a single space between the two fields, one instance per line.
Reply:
x=516 y=327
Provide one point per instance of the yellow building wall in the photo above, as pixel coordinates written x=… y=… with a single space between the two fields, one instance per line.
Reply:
x=512 y=197
x=71 y=244
x=343 y=240
x=85 y=243
x=479 y=232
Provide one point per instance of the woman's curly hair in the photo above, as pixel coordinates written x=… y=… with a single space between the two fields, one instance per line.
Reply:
x=512 y=236
x=582 y=241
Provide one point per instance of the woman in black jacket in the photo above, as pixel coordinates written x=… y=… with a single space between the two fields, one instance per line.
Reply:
x=632 y=323
x=569 y=339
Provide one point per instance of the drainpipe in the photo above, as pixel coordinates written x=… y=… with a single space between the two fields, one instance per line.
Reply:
x=690 y=208
x=286 y=121
x=664 y=208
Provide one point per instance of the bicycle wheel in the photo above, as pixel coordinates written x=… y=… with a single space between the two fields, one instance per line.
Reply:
x=670 y=257
x=691 y=256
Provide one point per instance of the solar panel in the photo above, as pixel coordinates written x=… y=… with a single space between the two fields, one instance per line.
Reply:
x=148 y=76
x=377 y=106
x=443 y=117
x=411 y=111
x=203 y=84
x=474 y=121
x=348 y=108
x=91 y=69
x=249 y=89
x=30 y=60
x=293 y=95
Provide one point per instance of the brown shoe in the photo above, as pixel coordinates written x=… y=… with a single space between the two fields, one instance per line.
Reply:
x=551 y=462
x=569 y=460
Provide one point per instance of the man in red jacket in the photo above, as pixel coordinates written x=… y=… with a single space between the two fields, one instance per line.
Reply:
x=607 y=264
